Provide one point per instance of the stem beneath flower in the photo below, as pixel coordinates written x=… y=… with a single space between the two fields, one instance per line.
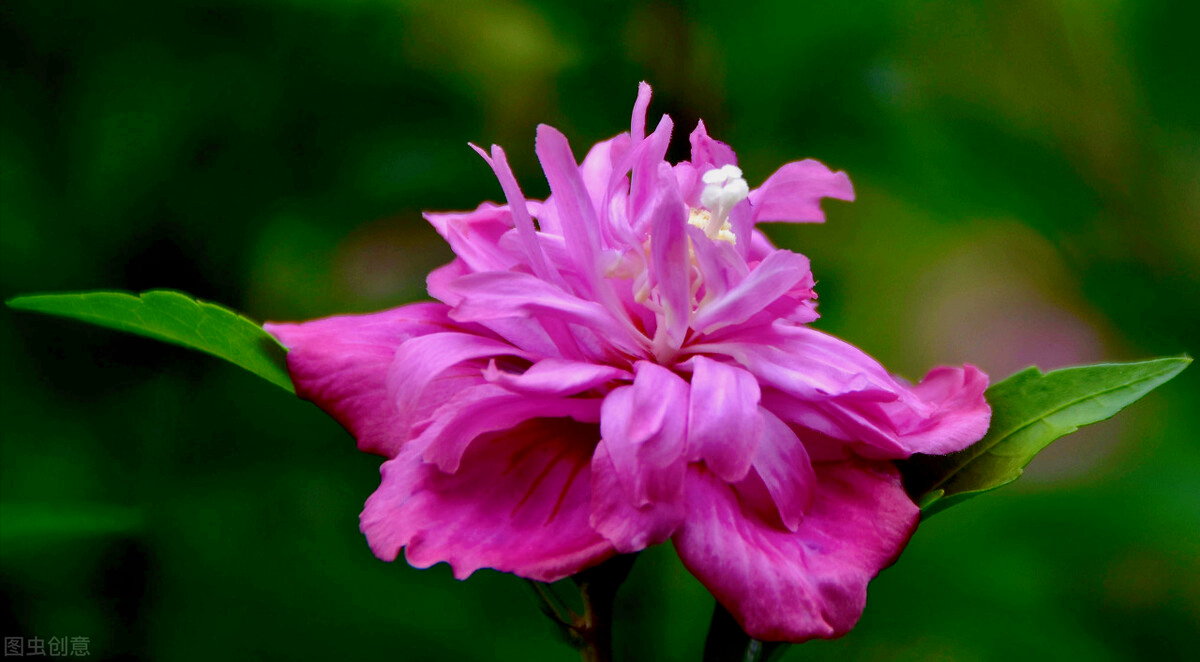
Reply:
x=598 y=588
x=727 y=642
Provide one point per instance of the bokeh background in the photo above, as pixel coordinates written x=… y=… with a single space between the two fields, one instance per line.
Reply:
x=1028 y=177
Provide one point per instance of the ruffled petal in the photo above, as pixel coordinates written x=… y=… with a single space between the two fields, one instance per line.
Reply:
x=475 y=411
x=644 y=427
x=828 y=385
x=519 y=503
x=766 y=283
x=945 y=413
x=641 y=460
x=628 y=527
x=805 y=363
x=556 y=377
x=341 y=364
x=724 y=425
x=720 y=265
x=475 y=236
x=421 y=360
x=520 y=213
x=794 y=192
x=670 y=264
x=960 y=415
x=501 y=294
x=708 y=153
x=570 y=198
x=812 y=583
x=596 y=169
x=646 y=180
x=637 y=124
x=782 y=462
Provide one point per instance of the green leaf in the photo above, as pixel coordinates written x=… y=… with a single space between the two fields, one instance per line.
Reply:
x=176 y=318
x=1029 y=411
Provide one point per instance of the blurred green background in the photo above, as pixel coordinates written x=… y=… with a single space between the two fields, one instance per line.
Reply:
x=1028 y=178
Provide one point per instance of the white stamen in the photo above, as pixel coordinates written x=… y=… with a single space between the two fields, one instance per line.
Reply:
x=724 y=188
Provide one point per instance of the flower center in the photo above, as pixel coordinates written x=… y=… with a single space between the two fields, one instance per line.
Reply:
x=724 y=188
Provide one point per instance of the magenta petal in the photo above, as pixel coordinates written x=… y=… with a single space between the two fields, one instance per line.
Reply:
x=438 y=282
x=485 y=408
x=724 y=425
x=575 y=211
x=708 y=153
x=794 y=192
x=500 y=294
x=720 y=265
x=631 y=528
x=475 y=236
x=807 y=363
x=782 y=463
x=597 y=168
x=771 y=279
x=644 y=428
x=419 y=361
x=341 y=364
x=556 y=377
x=637 y=125
x=670 y=264
x=520 y=214
x=957 y=415
x=811 y=583
x=646 y=179
x=519 y=503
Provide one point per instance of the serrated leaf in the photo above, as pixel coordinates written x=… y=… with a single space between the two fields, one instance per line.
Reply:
x=1029 y=411
x=176 y=318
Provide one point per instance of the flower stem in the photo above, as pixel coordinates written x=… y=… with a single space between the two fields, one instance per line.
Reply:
x=598 y=588
x=727 y=642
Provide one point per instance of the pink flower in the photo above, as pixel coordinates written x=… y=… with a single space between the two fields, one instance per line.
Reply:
x=628 y=362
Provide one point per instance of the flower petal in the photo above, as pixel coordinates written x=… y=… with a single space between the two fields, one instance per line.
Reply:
x=419 y=361
x=520 y=213
x=644 y=427
x=631 y=528
x=341 y=364
x=770 y=280
x=782 y=462
x=475 y=236
x=960 y=415
x=946 y=412
x=570 y=198
x=647 y=179
x=708 y=153
x=720 y=265
x=519 y=503
x=556 y=377
x=812 y=583
x=794 y=192
x=597 y=167
x=670 y=264
x=484 y=408
x=724 y=425
x=805 y=363
x=500 y=294
x=637 y=125
x=640 y=463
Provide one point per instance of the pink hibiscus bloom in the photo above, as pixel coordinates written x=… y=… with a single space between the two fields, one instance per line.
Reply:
x=629 y=362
